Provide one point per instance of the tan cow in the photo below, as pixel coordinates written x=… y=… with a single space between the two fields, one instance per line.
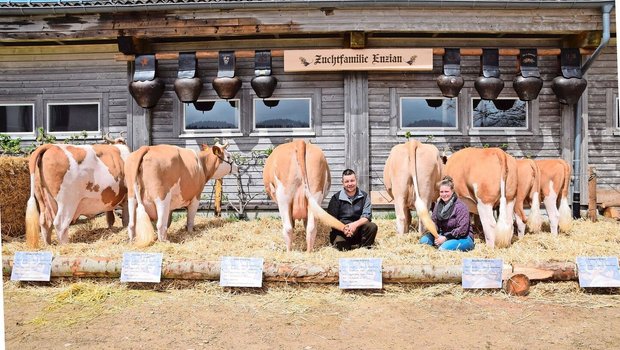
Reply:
x=296 y=177
x=163 y=178
x=411 y=174
x=67 y=181
x=528 y=194
x=485 y=178
x=554 y=182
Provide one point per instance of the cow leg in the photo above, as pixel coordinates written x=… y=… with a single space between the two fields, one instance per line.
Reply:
x=46 y=228
x=310 y=232
x=131 y=218
x=510 y=209
x=485 y=211
x=520 y=225
x=63 y=220
x=125 y=214
x=192 y=208
x=552 y=212
x=287 y=224
x=163 y=212
x=403 y=216
x=109 y=218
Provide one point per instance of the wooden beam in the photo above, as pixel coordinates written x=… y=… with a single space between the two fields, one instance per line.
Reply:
x=279 y=53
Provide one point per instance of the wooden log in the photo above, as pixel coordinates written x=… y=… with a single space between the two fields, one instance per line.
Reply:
x=556 y=271
x=592 y=209
x=99 y=267
x=518 y=284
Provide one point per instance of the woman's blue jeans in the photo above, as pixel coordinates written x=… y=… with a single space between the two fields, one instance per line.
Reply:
x=462 y=244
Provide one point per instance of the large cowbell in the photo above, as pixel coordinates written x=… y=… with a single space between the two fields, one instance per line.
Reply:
x=187 y=85
x=226 y=84
x=146 y=88
x=451 y=82
x=488 y=84
x=263 y=83
x=569 y=86
x=527 y=83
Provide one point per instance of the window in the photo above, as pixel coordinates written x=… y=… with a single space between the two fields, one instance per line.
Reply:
x=211 y=116
x=420 y=112
x=499 y=114
x=17 y=118
x=73 y=117
x=286 y=114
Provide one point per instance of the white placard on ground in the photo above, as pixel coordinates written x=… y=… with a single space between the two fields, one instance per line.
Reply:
x=141 y=267
x=32 y=266
x=598 y=271
x=241 y=272
x=482 y=273
x=360 y=273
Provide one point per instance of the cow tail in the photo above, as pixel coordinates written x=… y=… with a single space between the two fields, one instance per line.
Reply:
x=534 y=222
x=33 y=228
x=313 y=205
x=566 y=216
x=504 y=229
x=145 y=235
x=420 y=207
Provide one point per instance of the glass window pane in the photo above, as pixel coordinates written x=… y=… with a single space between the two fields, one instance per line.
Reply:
x=282 y=114
x=417 y=112
x=16 y=118
x=503 y=113
x=73 y=117
x=212 y=115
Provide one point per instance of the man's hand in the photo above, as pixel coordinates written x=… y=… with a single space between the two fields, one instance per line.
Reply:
x=348 y=230
x=440 y=240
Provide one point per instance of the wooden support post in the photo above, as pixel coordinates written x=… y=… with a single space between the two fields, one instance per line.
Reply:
x=518 y=285
x=592 y=209
x=217 y=206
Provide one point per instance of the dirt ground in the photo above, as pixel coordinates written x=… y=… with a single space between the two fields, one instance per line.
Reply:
x=201 y=315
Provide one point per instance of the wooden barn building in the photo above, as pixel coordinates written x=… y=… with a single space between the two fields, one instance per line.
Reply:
x=354 y=77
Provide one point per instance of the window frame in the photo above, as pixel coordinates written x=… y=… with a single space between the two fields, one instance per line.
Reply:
x=427 y=130
x=309 y=131
x=34 y=124
x=67 y=134
x=532 y=111
x=189 y=133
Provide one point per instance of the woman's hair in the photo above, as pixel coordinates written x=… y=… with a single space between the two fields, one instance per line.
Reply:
x=447 y=181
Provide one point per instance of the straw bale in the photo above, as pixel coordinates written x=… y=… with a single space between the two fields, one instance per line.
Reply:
x=14 y=192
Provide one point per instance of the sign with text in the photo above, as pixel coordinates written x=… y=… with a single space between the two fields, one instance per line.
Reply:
x=241 y=272
x=141 y=267
x=32 y=266
x=358 y=60
x=482 y=273
x=360 y=273
x=598 y=271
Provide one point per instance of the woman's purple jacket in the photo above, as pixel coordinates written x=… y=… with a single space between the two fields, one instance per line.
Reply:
x=457 y=225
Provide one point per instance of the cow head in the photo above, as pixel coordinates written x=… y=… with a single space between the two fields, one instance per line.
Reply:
x=225 y=164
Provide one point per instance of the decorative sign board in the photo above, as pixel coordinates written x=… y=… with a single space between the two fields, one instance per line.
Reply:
x=358 y=60
x=482 y=273
x=598 y=271
x=141 y=267
x=32 y=266
x=360 y=273
x=241 y=272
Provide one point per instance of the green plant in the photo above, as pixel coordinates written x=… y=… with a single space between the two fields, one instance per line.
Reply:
x=245 y=163
x=408 y=135
x=10 y=145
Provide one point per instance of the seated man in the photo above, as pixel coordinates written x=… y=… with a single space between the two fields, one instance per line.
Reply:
x=352 y=207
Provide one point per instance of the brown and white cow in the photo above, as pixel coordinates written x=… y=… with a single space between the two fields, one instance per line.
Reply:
x=554 y=182
x=163 y=178
x=411 y=174
x=296 y=177
x=485 y=178
x=67 y=181
x=528 y=194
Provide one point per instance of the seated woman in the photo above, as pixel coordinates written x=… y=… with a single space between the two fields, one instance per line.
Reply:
x=452 y=219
